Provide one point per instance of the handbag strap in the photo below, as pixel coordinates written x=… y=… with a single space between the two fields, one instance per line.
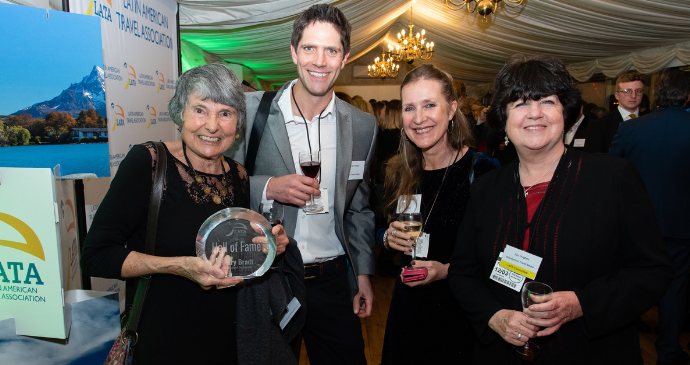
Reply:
x=152 y=226
x=258 y=130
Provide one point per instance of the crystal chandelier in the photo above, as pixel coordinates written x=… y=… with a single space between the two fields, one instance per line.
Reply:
x=413 y=46
x=483 y=7
x=383 y=67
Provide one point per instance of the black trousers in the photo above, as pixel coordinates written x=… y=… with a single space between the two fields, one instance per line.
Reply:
x=332 y=332
x=672 y=304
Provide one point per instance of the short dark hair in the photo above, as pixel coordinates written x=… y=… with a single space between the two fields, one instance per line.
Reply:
x=532 y=78
x=323 y=13
x=211 y=81
x=629 y=77
x=672 y=88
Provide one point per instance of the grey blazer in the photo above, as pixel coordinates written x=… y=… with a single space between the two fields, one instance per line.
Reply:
x=356 y=136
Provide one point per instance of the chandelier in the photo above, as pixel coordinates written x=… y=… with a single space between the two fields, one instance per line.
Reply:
x=483 y=7
x=383 y=67
x=413 y=46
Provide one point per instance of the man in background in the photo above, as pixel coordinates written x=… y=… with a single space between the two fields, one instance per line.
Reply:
x=658 y=145
x=629 y=91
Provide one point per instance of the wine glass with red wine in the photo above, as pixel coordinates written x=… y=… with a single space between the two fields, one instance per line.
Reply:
x=310 y=163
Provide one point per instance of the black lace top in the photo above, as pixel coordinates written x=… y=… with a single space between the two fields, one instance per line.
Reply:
x=180 y=322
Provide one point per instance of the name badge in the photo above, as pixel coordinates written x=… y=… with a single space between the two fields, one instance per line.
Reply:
x=579 y=142
x=292 y=308
x=422 y=249
x=506 y=277
x=356 y=170
x=323 y=199
x=415 y=204
x=521 y=262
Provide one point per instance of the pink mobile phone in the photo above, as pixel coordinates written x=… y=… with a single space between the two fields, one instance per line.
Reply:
x=414 y=274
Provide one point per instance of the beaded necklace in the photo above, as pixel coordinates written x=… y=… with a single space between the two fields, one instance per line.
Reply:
x=199 y=180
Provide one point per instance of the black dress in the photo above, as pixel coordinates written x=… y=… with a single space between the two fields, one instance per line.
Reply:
x=181 y=323
x=426 y=324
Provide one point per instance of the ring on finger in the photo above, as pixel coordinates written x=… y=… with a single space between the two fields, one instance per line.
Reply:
x=393 y=232
x=519 y=335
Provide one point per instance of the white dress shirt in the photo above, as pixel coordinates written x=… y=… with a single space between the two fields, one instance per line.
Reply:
x=314 y=233
x=626 y=114
x=571 y=133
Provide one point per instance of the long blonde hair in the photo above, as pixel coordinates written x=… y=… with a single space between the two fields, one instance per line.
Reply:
x=404 y=170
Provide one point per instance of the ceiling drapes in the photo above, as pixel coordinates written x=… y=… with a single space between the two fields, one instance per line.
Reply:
x=588 y=35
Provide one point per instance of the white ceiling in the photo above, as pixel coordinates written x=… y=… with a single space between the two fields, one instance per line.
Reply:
x=585 y=34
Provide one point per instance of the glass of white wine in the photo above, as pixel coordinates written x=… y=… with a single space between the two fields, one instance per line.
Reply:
x=413 y=222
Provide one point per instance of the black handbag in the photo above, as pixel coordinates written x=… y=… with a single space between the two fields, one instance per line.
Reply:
x=123 y=349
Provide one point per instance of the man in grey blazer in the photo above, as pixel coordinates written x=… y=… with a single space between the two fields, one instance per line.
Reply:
x=336 y=246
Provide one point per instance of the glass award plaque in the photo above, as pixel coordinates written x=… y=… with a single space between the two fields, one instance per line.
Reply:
x=246 y=236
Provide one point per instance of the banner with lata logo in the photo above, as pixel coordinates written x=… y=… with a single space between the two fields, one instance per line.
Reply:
x=31 y=280
x=140 y=64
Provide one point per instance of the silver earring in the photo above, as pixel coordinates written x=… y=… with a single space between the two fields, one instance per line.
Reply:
x=506 y=139
x=450 y=126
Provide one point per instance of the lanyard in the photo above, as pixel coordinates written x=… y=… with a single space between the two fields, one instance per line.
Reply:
x=439 y=189
x=537 y=212
x=292 y=92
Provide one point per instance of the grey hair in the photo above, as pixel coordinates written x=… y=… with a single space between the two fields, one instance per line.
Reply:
x=212 y=81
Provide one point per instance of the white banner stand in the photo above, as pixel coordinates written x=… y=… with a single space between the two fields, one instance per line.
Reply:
x=31 y=279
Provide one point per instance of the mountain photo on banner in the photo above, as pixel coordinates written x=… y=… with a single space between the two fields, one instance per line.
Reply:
x=52 y=104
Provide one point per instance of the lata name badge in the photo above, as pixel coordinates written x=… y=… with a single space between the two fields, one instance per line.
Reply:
x=422 y=249
x=506 y=277
x=521 y=262
x=579 y=142
x=356 y=170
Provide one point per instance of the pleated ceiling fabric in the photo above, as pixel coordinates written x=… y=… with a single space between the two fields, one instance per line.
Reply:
x=588 y=35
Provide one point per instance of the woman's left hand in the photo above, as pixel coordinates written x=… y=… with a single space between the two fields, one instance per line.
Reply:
x=562 y=308
x=281 y=238
x=435 y=271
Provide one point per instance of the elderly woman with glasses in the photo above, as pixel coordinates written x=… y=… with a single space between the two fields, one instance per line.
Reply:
x=193 y=312
x=580 y=223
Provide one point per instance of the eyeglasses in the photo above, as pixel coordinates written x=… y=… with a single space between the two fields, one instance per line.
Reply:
x=631 y=92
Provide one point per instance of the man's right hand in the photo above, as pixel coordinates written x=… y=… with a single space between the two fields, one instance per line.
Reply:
x=292 y=189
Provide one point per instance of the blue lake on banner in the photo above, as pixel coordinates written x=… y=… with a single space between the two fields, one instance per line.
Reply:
x=73 y=158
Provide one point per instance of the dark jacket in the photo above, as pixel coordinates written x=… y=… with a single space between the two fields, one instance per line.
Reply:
x=597 y=236
x=601 y=131
x=658 y=145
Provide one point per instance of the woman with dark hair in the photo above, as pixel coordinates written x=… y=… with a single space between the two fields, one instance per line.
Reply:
x=193 y=312
x=586 y=218
x=425 y=324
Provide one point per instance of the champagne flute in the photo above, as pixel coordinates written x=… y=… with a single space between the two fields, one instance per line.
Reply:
x=533 y=292
x=310 y=163
x=413 y=221
x=273 y=212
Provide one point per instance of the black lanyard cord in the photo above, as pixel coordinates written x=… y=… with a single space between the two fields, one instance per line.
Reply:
x=292 y=91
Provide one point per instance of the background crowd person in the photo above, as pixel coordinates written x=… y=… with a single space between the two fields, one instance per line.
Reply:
x=209 y=106
x=656 y=144
x=379 y=112
x=363 y=105
x=587 y=216
x=575 y=137
x=629 y=91
x=344 y=97
x=435 y=161
x=337 y=246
